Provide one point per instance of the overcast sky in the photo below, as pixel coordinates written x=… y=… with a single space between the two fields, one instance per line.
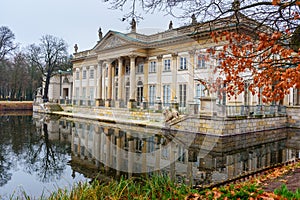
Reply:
x=75 y=21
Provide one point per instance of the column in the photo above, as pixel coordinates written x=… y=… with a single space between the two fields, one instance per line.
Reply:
x=158 y=77
x=191 y=106
x=174 y=100
x=88 y=95
x=99 y=100
x=190 y=88
x=132 y=98
x=158 y=103
x=120 y=102
x=74 y=86
x=146 y=85
x=80 y=86
x=109 y=85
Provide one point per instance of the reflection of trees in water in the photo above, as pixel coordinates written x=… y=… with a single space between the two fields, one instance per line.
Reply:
x=46 y=158
x=35 y=153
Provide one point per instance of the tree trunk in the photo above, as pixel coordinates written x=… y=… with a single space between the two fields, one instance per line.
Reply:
x=45 y=97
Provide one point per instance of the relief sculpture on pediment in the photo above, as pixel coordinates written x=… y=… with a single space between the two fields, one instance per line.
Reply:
x=113 y=42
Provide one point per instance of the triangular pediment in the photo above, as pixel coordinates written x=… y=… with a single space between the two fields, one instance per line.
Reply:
x=112 y=40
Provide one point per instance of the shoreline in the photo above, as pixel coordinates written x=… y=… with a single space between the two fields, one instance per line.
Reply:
x=15 y=105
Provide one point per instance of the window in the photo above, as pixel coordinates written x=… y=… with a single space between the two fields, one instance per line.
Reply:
x=140 y=68
x=167 y=65
x=127 y=69
x=116 y=70
x=127 y=91
x=116 y=88
x=166 y=95
x=139 y=93
x=77 y=92
x=83 y=92
x=200 y=92
x=152 y=96
x=92 y=96
x=201 y=61
x=84 y=74
x=182 y=95
x=152 y=68
x=92 y=73
x=183 y=64
x=77 y=75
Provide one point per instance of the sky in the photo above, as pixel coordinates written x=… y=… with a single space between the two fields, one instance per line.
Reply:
x=75 y=21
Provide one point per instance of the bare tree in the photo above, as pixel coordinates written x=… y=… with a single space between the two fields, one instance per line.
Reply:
x=48 y=56
x=6 y=42
x=275 y=13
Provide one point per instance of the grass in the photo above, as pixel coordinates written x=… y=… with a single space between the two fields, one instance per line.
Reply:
x=162 y=187
x=284 y=192
x=156 y=187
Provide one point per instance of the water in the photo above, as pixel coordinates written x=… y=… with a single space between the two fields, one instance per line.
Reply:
x=40 y=153
x=31 y=161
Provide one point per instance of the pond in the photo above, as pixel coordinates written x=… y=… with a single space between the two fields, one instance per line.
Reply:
x=40 y=153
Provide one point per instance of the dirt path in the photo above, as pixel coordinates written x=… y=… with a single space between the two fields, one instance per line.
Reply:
x=291 y=179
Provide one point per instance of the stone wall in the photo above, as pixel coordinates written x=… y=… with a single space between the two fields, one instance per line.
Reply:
x=117 y=113
x=293 y=117
x=224 y=126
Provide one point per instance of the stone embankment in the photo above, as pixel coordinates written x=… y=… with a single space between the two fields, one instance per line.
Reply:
x=293 y=119
x=15 y=105
x=194 y=123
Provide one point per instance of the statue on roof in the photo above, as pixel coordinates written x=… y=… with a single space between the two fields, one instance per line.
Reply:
x=170 y=25
x=100 y=33
x=194 y=20
x=236 y=5
x=75 y=48
x=133 y=25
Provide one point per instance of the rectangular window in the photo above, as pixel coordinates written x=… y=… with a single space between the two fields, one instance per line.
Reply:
x=92 y=73
x=201 y=61
x=200 y=89
x=84 y=74
x=92 y=95
x=83 y=92
x=152 y=68
x=77 y=92
x=152 y=93
x=77 y=75
x=183 y=64
x=127 y=91
x=167 y=65
x=140 y=68
x=182 y=95
x=166 y=95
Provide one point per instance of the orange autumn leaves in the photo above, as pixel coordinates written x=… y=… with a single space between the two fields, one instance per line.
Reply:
x=268 y=66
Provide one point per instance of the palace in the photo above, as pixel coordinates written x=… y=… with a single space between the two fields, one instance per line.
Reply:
x=155 y=71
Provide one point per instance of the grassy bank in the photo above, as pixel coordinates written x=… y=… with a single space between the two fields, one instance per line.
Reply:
x=161 y=187
x=15 y=105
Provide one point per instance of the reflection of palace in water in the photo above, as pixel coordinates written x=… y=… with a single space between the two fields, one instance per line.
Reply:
x=112 y=150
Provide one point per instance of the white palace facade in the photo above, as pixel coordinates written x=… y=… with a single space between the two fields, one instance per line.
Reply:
x=133 y=69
